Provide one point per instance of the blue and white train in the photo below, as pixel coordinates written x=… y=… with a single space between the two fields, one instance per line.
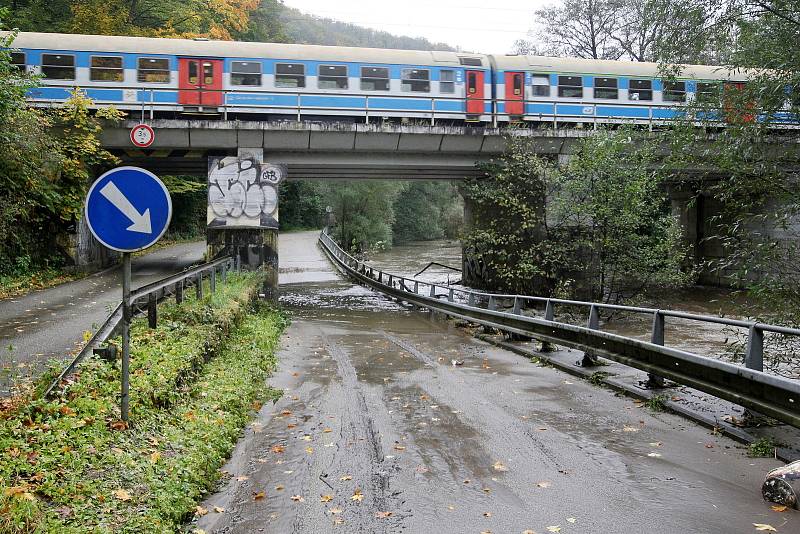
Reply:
x=170 y=77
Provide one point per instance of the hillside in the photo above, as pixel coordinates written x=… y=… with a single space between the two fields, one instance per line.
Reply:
x=302 y=28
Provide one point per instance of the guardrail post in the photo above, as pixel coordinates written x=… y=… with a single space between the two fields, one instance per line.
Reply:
x=492 y=303
x=589 y=359
x=433 y=290
x=179 y=291
x=657 y=338
x=516 y=309
x=549 y=312
x=754 y=357
x=471 y=299
x=390 y=283
x=199 y=286
x=416 y=287
x=152 y=310
x=213 y=279
x=380 y=276
x=450 y=295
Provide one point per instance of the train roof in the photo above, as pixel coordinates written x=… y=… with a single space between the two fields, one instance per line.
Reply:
x=238 y=49
x=610 y=67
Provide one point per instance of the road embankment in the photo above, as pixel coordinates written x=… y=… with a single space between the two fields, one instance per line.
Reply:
x=69 y=464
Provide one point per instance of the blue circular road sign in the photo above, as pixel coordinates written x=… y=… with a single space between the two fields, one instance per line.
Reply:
x=128 y=209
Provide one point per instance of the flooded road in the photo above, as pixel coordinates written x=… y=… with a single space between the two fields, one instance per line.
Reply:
x=392 y=421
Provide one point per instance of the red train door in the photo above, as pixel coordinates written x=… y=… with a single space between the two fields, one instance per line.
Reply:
x=195 y=75
x=475 y=94
x=515 y=93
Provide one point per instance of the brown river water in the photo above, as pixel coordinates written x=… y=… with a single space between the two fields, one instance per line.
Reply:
x=706 y=339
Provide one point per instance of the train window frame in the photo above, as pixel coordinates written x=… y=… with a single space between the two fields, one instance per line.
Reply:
x=374 y=79
x=704 y=95
x=606 y=88
x=142 y=71
x=565 y=88
x=54 y=67
x=338 y=81
x=447 y=86
x=243 y=76
x=470 y=61
x=640 y=94
x=97 y=69
x=16 y=63
x=672 y=93
x=411 y=84
x=541 y=90
x=295 y=79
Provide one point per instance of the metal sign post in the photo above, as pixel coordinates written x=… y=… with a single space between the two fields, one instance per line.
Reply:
x=127 y=209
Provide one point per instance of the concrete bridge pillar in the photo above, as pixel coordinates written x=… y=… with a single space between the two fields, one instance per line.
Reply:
x=243 y=212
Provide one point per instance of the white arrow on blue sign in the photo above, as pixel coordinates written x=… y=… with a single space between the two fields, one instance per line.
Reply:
x=128 y=209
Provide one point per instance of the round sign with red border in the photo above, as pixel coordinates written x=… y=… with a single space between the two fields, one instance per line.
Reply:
x=142 y=136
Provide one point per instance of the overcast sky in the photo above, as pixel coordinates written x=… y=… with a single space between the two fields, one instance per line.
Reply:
x=474 y=25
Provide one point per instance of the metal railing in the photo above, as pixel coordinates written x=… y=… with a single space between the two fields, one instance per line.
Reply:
x=147 y=102
x=173 y=285
x=747 y=385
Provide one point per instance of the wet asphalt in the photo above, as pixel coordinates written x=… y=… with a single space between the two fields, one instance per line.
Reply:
x=378 y=431
x=50 y=323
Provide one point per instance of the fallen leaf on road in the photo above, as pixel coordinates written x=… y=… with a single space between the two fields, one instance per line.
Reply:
x=487 y=514
x=554 y=528
x=278 y=449
x=654 y=455
x=327 y=430
x=306 y=438
x=338 y=520
x=709 y=445
x=278 y=488
x=656 y=444
x=258 y=496
x=399 y=448
x=778 y=508
x=629 y=428
x=309 y=450
x=346 y=477
x=764 y=528
x=242 y=478
x=571 y=520
x=486 y=532
x=357 y=495
x=334 y=511
x=325 y=498
x=487 y=490
x=291 y=425
x=529 y=531
x=219 y=509
x=498 y=466
x=298 y=498
x=285 y=413
x=451 y=507
x=121 y=494
x=382 y=515
x=544 y=484
x=200 y=511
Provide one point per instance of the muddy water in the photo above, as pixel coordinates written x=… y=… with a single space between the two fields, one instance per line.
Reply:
x=378 y=431
x=706 y=339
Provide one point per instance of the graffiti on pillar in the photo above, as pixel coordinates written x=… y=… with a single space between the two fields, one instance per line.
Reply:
x=242 y=192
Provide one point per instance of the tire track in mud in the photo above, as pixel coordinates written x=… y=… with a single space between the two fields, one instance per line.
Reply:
x=362 y=433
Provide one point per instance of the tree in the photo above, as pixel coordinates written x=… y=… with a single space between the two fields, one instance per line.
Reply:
x=581 y=28
x=427 y=210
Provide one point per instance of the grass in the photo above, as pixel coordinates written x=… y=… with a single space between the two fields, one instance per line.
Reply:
x=657 y=403
x=20 y=284
x=762 y=448
x=598 y=378
x=70 y=465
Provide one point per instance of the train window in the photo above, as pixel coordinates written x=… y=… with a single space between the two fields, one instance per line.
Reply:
x=570 y=86
x=193 y=73
x=640 y=90
x=18 y=61
x=541 y=85
x=416 y=80
x=606 y=88
x=106 y=69
x=674 y=92
x=374 y=79
x=155 y=70
x=332 y=77
x=208 y=73
x=471 y=61
x=246 y=73
x=58 y=66
x=708 y=92
x=290 y=75
x=447 y=81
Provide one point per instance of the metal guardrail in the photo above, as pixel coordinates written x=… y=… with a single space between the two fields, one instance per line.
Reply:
x=153 y=292
x=747 y=386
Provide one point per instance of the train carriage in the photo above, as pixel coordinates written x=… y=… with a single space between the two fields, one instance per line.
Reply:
x=274 y=80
